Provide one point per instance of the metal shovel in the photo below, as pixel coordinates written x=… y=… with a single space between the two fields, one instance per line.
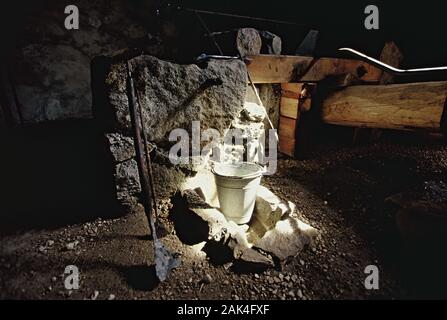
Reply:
x=165 y=261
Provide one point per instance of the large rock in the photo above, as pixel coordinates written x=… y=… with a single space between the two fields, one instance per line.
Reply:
x=270 y=95
x=167 y=177
x=253 y=112
x=127 y=182
x=195 y=220
x=269 y=209
x=274 y=230
x=172 y=95
x=287 y=239
x=271 y=43
x=121 y=147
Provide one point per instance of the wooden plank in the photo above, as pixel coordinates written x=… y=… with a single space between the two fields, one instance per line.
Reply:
x=287 y=127
x=294 y=87
x=289 y=108
x=287 y=146
x=398 y=106
x=290 y=94
x=291 y=90
x=283 y=69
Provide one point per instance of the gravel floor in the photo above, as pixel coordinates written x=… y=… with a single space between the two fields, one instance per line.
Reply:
x=340 y=190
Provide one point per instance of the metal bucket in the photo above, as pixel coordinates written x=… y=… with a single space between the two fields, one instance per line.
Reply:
x=236 y=189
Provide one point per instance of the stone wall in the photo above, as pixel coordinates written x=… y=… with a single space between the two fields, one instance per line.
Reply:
x=51 y=65
x=55 y=76
x=172 y=96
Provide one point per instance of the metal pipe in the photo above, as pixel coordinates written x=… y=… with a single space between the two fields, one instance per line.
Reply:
x=231 y=15
x=392 y=69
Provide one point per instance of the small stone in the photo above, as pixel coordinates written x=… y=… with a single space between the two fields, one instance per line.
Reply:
x=42 y=249
x=95 y=295
x=302 y=262
x=206 y=279
x=228 y=265
x=292 y=294
x=300 y=294
x=50 y=243
x=256 y=276
x=54 y=279
x=71 y=246
x=226 y=282
x=112 y=297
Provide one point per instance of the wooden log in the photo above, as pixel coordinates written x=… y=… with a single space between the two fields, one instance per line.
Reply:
x=271 y=43
x=282 y=69
x=399 y=106
x=248 y=41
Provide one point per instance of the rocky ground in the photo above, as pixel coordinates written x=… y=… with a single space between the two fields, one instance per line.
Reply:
x=341 y=190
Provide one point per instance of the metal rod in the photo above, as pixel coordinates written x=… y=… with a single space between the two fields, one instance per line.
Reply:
x=392 y=69
x=147 y=157
x=209 y=32
x=142 y=170
x=165 y=261
x=231 y=15
x=16 y=98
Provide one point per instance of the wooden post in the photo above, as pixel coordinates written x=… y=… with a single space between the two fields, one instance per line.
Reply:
x=295 y=103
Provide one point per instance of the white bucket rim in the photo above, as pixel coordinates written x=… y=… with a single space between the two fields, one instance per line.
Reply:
x=259 y=172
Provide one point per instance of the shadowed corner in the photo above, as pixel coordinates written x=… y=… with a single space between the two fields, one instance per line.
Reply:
x=142 y=277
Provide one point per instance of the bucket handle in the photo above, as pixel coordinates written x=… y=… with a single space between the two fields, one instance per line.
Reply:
x=263 y=168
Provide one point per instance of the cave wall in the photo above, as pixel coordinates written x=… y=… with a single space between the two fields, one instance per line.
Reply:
x=50 y=65
x=62 y=163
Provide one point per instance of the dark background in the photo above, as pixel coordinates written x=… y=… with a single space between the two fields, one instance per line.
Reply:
x=416 y=26
x=58 y=171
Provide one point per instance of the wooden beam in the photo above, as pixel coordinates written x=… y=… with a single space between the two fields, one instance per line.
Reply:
x=282 y=69
x=287 y=127
x=399 y=106
x=291 y=90
x=289 y=107
x=287 y=145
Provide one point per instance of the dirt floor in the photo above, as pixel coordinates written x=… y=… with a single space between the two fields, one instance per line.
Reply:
x=340 y=189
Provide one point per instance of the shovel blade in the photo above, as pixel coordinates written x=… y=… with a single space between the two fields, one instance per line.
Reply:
x=165 y=261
